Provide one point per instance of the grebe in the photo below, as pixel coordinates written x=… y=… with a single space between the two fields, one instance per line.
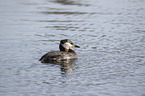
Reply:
x=65 y=53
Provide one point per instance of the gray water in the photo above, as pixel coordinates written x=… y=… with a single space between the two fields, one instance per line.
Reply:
x=111 y=60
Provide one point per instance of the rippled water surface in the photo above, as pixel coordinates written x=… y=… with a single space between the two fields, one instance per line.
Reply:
x=111 y=60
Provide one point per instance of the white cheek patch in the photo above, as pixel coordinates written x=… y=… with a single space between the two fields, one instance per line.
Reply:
x=67 y=45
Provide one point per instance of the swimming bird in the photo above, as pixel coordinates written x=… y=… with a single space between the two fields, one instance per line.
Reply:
x=65 y=53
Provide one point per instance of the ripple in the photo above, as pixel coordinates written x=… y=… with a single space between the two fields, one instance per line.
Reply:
x=111 y=57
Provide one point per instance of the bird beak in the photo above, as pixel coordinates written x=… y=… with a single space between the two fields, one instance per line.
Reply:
x=76 y=46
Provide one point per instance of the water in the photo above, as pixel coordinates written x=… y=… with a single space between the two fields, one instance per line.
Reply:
x=111 y=60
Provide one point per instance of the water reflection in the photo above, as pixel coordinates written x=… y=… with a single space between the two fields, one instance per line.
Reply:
x=64 y=12
x=70 y=2
x=65 y=2
x=66 y=67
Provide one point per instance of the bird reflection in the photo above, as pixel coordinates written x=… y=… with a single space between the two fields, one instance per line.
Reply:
x=66 y=67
